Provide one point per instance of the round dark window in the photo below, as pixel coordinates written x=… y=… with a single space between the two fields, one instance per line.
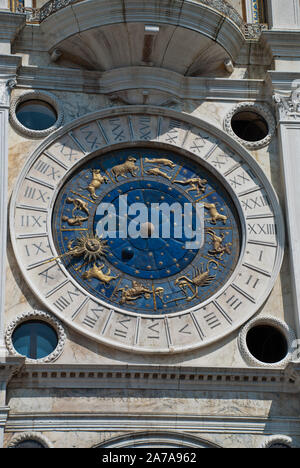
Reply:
x=29 y=443
x=249 y=126
x=36 y=115
x=267 y=344
x=34 y=339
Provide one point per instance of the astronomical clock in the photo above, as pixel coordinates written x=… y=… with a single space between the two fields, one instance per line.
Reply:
x=101 y=219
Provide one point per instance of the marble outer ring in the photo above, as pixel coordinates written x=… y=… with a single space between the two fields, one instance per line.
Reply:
x=259 y=109
x=102 y=326
x=43 y=96
x=36 y=315
x=274 y=322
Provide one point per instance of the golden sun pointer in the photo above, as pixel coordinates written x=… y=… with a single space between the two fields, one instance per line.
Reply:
x=90 y=246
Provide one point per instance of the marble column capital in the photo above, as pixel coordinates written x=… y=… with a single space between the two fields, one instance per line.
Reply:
x=288 y=107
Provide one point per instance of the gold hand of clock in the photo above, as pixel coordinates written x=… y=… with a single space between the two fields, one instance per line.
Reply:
x=90 y=246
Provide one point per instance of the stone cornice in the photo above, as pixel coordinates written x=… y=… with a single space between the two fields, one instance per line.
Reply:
x=9 y=366
x=283 y=43
x=156 y=377
x=64 y=79
x=120 y=421
x=10 y=25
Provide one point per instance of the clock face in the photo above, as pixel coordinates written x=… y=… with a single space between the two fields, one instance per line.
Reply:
x=146 y=263
x=147 y=232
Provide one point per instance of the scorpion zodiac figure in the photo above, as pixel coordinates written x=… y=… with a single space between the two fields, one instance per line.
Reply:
x=202 y=278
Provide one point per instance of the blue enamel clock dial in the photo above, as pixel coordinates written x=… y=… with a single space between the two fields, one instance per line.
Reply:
x=123 y=226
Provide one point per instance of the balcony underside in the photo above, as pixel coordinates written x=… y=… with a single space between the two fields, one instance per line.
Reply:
x=187 y=37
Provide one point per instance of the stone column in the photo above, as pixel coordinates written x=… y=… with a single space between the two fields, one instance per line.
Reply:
x=6 y=83
x=284 y=15
x=289 y=135
x=5 y=86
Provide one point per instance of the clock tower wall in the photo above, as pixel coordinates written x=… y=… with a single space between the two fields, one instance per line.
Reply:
x=186 y=343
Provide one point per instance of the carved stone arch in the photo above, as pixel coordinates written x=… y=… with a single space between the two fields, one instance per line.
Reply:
x=157 y=439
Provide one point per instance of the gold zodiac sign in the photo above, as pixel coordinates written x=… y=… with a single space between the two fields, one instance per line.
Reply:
x=127 y=167
x=215 y=215
x=164 y=162
x=195 y=184
x=75 y=221
x=97 y=272
x=96 y=182
x=217 y=242
x=137 y=291
x=90 y=247
x=201 y=279
x=78 y=205
x=157 y=172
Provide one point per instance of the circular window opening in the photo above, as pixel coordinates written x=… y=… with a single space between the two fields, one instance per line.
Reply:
x=34 y=339
x=29 y=443
x=249 y=126
x=36 y=114
x=267 y=344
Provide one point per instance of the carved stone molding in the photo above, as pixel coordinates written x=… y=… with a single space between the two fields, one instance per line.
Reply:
x=37 y=315
x=279 y=440
x=288 y=107
x=24 y=436
x=273 y=322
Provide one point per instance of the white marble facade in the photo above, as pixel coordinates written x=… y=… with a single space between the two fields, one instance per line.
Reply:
x=159 y=65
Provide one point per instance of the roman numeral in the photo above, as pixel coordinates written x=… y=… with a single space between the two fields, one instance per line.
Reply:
x=47 y=170
x=155 y=333
x=144 y=128
x=234 y=302
x=266 y=229
x=122 y=332
x=117 y=130
x=212 y=320
x=92 y=317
